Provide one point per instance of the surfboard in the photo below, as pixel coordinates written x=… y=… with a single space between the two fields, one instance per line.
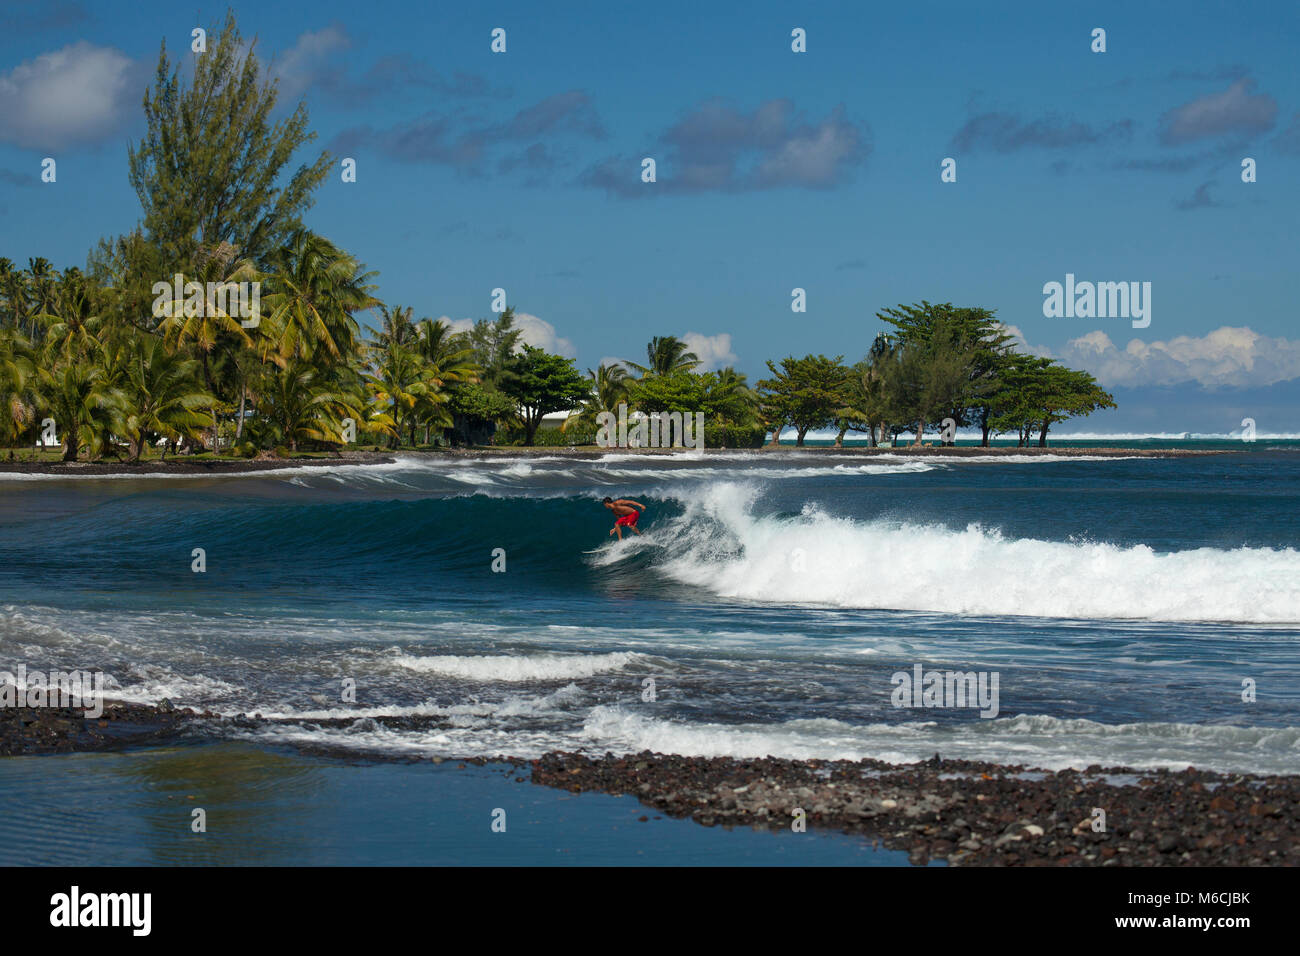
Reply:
x=610 y=545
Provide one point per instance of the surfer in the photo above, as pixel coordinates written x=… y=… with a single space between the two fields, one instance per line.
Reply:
x=627 y=514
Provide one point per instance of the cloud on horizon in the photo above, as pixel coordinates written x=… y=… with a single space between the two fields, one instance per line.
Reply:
x=1228 y=357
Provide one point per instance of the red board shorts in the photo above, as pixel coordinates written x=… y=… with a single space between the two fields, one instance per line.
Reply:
x=628 y=520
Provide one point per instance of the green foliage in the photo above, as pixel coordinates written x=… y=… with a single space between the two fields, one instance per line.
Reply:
x=610 y=387
x=211 y=165
x=934 y=376
x=667 y=355
x=478 y=401
x=540 y=382
x=18 y=377
x=492 y=344
x=955 y=356
x=161 y=397
x=679 y=391
x=804 y=393
x=1038 y=393
x=734 y=436
x=723 y=397
x=550 y=437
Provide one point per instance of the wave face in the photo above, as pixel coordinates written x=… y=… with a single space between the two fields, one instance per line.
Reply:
x=1125 y=604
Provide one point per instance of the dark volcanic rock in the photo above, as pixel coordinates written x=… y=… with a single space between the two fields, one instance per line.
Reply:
x=47 y=730
x=970 y=812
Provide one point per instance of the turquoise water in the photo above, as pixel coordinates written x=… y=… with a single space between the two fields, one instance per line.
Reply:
x=1121 y=603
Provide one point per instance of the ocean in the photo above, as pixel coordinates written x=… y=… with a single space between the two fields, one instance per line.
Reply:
x=1125 y=605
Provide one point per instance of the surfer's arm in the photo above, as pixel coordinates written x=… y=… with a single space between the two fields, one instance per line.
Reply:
x=629 y=501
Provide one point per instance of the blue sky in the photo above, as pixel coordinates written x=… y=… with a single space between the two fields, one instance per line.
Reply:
x=776 y=170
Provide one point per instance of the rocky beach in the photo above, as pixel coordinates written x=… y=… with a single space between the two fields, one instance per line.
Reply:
x=971 y=813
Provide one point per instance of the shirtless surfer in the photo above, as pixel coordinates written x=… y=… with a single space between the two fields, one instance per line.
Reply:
x=627 y=514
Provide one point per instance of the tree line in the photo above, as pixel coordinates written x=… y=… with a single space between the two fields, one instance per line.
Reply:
x=939 y=362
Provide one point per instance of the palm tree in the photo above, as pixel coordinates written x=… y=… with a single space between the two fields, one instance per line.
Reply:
x=41 y=283
x=72 y=321
x=204 y=330
x=8 y=300
x=162 y=395
x=399 y=383
x=450 y=362
x=83 y=406
x=731 y=398
x=667 y=354
x=126 y=269
x=397 y=327
x=215 y=331
x=873 y=386
x=315 y=289
x=446 y=352
x=610 y=386
x=301 y=406
x=17 y=375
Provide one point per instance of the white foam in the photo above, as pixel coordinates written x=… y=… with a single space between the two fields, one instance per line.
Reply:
x=470 y=713
x=1039 y=741
x=511 y=669
x=816 y=558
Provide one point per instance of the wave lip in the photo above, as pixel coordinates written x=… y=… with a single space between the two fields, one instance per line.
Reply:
x=719 y=544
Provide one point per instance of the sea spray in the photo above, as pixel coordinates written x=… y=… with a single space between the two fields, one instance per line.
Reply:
x=721 y=544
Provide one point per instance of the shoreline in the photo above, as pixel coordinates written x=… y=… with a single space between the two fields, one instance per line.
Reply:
x=187 y=466
x=959 y=811
x=183 y=466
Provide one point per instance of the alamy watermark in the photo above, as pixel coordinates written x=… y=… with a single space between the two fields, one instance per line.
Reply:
x=923 y=688
x=1101 y=300
x=129 y=910
x=80 y=689
x=241 y=300
x=653 y=430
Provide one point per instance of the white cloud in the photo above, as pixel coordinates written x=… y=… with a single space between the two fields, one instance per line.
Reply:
x=1227 y=357
x=714 y=351
x=541 y=334
x=457 y=325
x=536 y=332
x=79 y=94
